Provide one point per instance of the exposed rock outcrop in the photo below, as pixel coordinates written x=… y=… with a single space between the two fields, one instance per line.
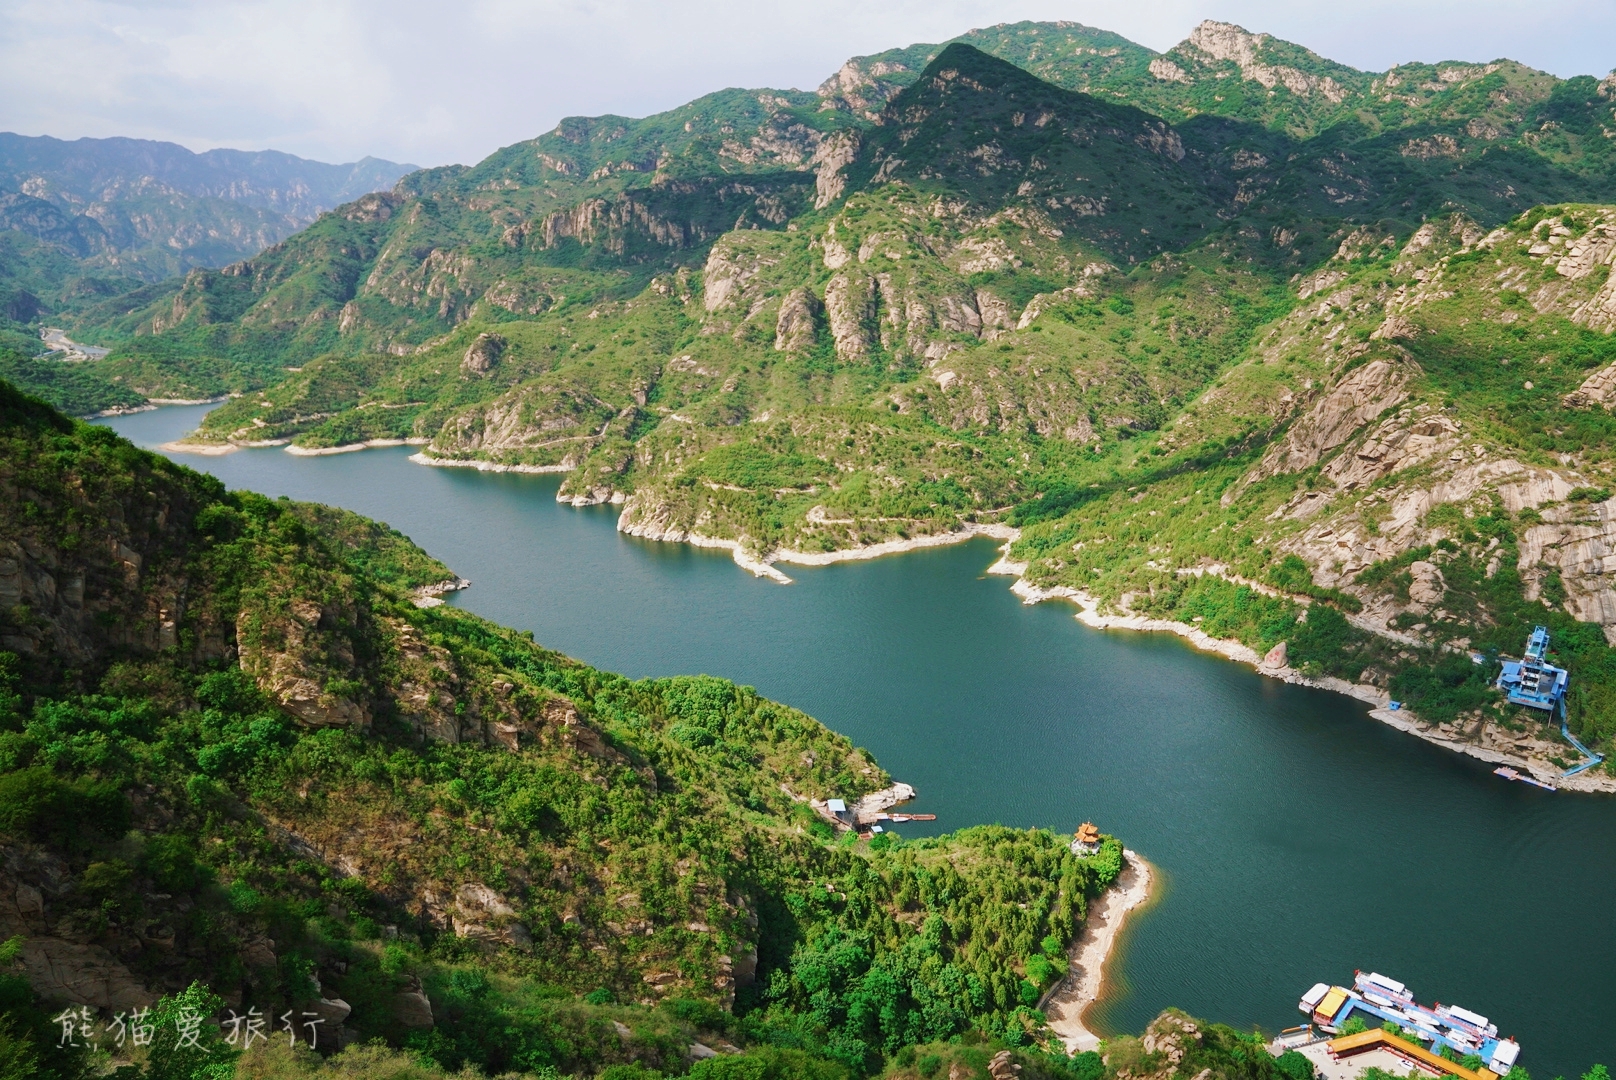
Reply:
x=484 y=354
x=1002 y=1066
x=295 y=652
x=1579 y=541
x=541 y=424
x=1364 y=394
x=835 y=153
x=81 y=974
x=1597 y=389
x=850 y=305
x=798 y=322
x=1218 y=41
x=482 y=914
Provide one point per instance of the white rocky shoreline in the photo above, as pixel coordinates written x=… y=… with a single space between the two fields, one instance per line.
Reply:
x=1273 y=665
x=480 y=465
x=764 y=567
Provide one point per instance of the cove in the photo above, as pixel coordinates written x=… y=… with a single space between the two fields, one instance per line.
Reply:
x=1298 y=838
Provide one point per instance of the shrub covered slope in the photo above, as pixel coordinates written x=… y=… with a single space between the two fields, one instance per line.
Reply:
x=236 y=753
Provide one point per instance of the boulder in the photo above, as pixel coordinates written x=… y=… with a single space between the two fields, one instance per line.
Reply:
x=326 y=1023
x=413 y=1009
x=1001 y=1067
x=1277 y=657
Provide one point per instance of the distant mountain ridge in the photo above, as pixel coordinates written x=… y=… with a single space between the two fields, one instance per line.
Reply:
x=74 y=174
x=120 y=209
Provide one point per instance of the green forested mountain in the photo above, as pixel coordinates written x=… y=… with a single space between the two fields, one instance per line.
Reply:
x=1165 y=313
x=235 y=752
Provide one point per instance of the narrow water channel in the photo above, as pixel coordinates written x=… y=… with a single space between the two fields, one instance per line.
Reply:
x=1299 y=839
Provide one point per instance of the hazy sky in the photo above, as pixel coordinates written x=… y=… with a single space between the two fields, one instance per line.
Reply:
x=435 y=82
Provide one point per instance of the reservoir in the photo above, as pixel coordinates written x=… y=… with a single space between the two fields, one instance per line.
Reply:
x=1299 y=839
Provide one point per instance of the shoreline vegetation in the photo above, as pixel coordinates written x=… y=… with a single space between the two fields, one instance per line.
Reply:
x=1068 y=1004
x=1088 y=606
x=764 y=567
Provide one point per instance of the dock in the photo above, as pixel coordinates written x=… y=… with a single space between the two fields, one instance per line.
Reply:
x=1512 y=774
x=1378 y=999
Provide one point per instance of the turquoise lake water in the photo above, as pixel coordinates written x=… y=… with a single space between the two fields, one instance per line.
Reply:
x=1299 y=839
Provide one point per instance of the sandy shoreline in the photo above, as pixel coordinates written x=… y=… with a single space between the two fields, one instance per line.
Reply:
x=1085 y=972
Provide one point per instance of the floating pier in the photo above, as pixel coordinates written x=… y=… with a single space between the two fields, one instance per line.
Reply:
x=1511 y=774
x=1380 y=999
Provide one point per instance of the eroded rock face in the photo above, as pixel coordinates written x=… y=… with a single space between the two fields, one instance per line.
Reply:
x=1359 y=398
x=81 y=974
x=798 y=322
x=295 y=653
x=1398 y=443
x=835 y=153
x=850 y=305
x=61 y=958
x=733 y=265
x=482 y=914
x=1216 y=41
x=1428 y=586
x=1578 y=540
x=484 y=354
x=1597 y=389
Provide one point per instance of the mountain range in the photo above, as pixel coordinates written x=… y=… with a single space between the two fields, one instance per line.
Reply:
x=92 y=217
x=1314 y=362
x=1230 y=319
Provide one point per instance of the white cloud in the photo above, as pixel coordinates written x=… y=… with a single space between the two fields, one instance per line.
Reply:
x=431 y=82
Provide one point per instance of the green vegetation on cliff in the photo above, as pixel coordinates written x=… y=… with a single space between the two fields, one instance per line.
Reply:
x=235 y=753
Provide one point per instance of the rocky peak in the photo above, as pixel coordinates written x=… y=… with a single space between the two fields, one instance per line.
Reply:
x=1257 y=56
x=1226 y=41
